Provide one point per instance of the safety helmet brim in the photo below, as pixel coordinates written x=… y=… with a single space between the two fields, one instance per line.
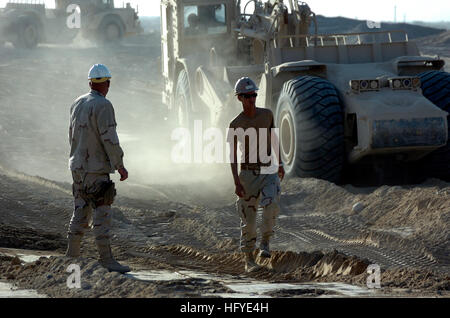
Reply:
x=100 y=80
x=245 y=85
x=99 y=73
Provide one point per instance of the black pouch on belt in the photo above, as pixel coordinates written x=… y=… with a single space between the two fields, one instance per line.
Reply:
x=106 y=194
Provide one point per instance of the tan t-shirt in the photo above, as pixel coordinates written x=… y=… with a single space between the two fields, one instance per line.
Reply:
x=252 y=131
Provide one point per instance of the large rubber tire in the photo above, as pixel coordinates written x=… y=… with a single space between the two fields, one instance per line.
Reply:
x=27 y=33
x=182 y=108
x=436 y=88
x=110 y=31
x=310 y=118
x=182 y=114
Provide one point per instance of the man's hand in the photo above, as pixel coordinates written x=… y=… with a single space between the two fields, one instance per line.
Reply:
x=240 y=192
x=281 y=173
x=123 y=174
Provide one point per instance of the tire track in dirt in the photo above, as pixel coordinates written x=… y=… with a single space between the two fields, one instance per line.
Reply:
x=346 y=234
x=314 y=231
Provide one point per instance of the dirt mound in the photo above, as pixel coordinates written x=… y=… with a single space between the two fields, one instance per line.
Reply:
x=282 y=265
x=412 y=281
x=49 y=275
x=406 y=217
x=438 y=44
x=441 y=39
x=28 y=238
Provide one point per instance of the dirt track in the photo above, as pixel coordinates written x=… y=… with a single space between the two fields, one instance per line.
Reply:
x=169 y=217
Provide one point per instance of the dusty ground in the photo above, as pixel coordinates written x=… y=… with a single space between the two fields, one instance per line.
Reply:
x=173 y=217
x=436 y=44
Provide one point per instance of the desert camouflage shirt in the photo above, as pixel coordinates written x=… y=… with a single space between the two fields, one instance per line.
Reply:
x=94 y=144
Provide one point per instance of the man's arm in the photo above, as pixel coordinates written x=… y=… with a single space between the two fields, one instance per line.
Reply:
x=239 y=189
x=70 y=134
x=70 y=126
x=106 y=123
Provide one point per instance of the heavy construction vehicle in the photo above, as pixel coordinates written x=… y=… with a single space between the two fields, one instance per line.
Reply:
x=27 y=23
x=340 y=100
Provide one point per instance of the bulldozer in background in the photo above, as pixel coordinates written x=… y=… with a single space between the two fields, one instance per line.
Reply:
x=26 y=23
x=343 y=103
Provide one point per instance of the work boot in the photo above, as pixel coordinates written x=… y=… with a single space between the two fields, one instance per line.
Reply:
x=250 y=264
x=73 y=246
x=264 y=250
x=106 y=258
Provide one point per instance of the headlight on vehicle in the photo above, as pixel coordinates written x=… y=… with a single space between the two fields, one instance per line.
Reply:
x=375 y=84
x=354 y=85
x=365 y=85
x=404 y=83
x=407 y=83
x=397 y=84
x=416 y=83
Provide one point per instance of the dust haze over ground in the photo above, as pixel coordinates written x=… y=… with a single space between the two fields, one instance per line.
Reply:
x=182 y=219
x=61 y=77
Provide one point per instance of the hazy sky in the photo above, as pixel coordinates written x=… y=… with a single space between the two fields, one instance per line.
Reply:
x=376 y=10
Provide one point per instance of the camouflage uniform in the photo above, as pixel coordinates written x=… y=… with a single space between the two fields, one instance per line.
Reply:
x=260 y=190
x=95 y=153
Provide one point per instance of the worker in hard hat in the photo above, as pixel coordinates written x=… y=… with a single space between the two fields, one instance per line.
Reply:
x=95 y=153
x=256 y=185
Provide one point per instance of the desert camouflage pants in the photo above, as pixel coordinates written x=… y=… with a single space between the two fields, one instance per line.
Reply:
x=87 y=183
x=260 y=190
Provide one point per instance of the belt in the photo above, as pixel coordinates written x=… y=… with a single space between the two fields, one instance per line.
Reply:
x=253 y=166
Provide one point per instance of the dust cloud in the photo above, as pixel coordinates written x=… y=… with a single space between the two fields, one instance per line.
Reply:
x=36 y=92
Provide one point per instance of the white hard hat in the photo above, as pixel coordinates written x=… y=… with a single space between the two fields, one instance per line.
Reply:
x=245 y=85
x=99 y=73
